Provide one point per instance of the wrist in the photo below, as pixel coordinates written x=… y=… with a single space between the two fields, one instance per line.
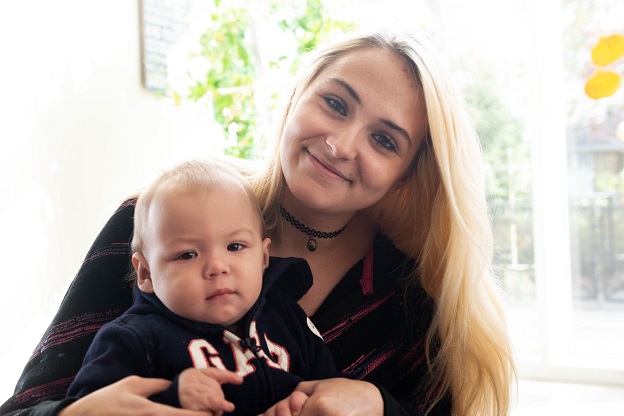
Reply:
x=66 y=407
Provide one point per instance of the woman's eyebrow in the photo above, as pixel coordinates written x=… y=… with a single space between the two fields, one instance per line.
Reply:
x=398 y=129
x=348 y=88
x=356 y=98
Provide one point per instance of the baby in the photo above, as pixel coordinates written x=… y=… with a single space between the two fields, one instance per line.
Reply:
x=212 y=312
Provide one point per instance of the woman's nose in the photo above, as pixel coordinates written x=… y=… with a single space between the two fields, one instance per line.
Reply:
x=343 y=144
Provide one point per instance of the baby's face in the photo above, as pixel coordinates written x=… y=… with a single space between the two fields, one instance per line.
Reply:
x=205 y=252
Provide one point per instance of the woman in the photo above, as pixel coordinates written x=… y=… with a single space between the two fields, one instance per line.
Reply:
x=376 y=180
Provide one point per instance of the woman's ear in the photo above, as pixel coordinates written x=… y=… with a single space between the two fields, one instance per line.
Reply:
x=398 y=185
x=144 y=277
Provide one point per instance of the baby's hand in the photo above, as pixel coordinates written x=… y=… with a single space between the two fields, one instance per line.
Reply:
x=200 y=389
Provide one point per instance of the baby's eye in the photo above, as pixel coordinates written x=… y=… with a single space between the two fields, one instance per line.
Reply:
x=235 y=247
x=336 y=105
x=385 y=141
x=187 y=255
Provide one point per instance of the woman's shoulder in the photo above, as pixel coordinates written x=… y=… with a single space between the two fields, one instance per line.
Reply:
x=124 y=211
x=120 y=223
x=389 y=262
x=101 y=287
x=384 y=245
x=115 y=237
x=396 y=271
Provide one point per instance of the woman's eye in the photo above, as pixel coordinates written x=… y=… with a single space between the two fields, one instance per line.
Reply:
x=188 y=255
x=235 y=247
x=385 y=141
x=336 y=105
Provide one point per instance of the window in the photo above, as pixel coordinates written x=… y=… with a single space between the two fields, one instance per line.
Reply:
x=555 y=161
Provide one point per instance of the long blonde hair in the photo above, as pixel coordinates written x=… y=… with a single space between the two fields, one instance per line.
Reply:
x=450 y=237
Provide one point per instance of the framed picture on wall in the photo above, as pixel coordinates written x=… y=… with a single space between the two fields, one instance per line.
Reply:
x=163 y=23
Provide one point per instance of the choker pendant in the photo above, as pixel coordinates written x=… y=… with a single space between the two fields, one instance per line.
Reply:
x=311 y=232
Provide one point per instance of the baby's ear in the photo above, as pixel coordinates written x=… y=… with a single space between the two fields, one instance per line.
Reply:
x=144 y=277
x=266 y=243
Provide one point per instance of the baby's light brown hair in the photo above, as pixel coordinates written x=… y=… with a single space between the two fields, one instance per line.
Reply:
x=198 y=174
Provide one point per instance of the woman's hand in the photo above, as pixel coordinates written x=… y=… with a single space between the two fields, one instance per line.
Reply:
x=128 y=396
x=200 y=389
x=331 y=397
x=291 y=405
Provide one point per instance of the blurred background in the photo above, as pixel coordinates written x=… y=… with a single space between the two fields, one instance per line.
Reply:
x=99 y=97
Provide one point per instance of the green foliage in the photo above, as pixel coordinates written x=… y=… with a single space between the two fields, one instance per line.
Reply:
x=505 y=152
x=232 y=71
x=314 y=26
x=609 y=182
x=508 y=170
x=227 y=45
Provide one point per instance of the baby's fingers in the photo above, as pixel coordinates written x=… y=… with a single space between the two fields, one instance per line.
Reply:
x=200 y=389
x=222 y=376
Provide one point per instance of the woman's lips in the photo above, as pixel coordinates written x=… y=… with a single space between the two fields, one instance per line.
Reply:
x=322 y=164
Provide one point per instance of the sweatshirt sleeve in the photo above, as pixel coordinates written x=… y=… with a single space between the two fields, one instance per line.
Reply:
x=117 y=351
x=99 y=293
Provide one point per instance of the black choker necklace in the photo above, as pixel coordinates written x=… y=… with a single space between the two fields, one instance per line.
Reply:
x=310 y=231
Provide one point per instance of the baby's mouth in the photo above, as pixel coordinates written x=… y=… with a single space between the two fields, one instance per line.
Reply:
x=220 y=293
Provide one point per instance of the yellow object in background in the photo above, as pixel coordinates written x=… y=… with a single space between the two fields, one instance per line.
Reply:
x=605 y=83
x=602 y=84
x=608 y=49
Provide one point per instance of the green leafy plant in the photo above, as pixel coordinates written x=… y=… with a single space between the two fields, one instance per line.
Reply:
x=312 y=27
x=229 y=81
x=229 y=48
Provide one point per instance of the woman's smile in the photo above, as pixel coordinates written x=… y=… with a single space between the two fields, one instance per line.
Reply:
x=325 y=167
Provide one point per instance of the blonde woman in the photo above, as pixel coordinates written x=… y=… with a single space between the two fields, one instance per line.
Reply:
x=376 y=179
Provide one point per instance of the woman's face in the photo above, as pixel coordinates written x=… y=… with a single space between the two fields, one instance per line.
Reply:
x=353 y=133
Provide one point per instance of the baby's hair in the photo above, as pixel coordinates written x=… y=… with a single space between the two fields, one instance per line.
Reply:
x=197 y=174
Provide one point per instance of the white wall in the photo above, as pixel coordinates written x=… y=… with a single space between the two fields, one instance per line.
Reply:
x=77 y=133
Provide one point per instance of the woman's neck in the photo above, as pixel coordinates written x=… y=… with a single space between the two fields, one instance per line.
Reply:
x=331 y=260
x=298 y=216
